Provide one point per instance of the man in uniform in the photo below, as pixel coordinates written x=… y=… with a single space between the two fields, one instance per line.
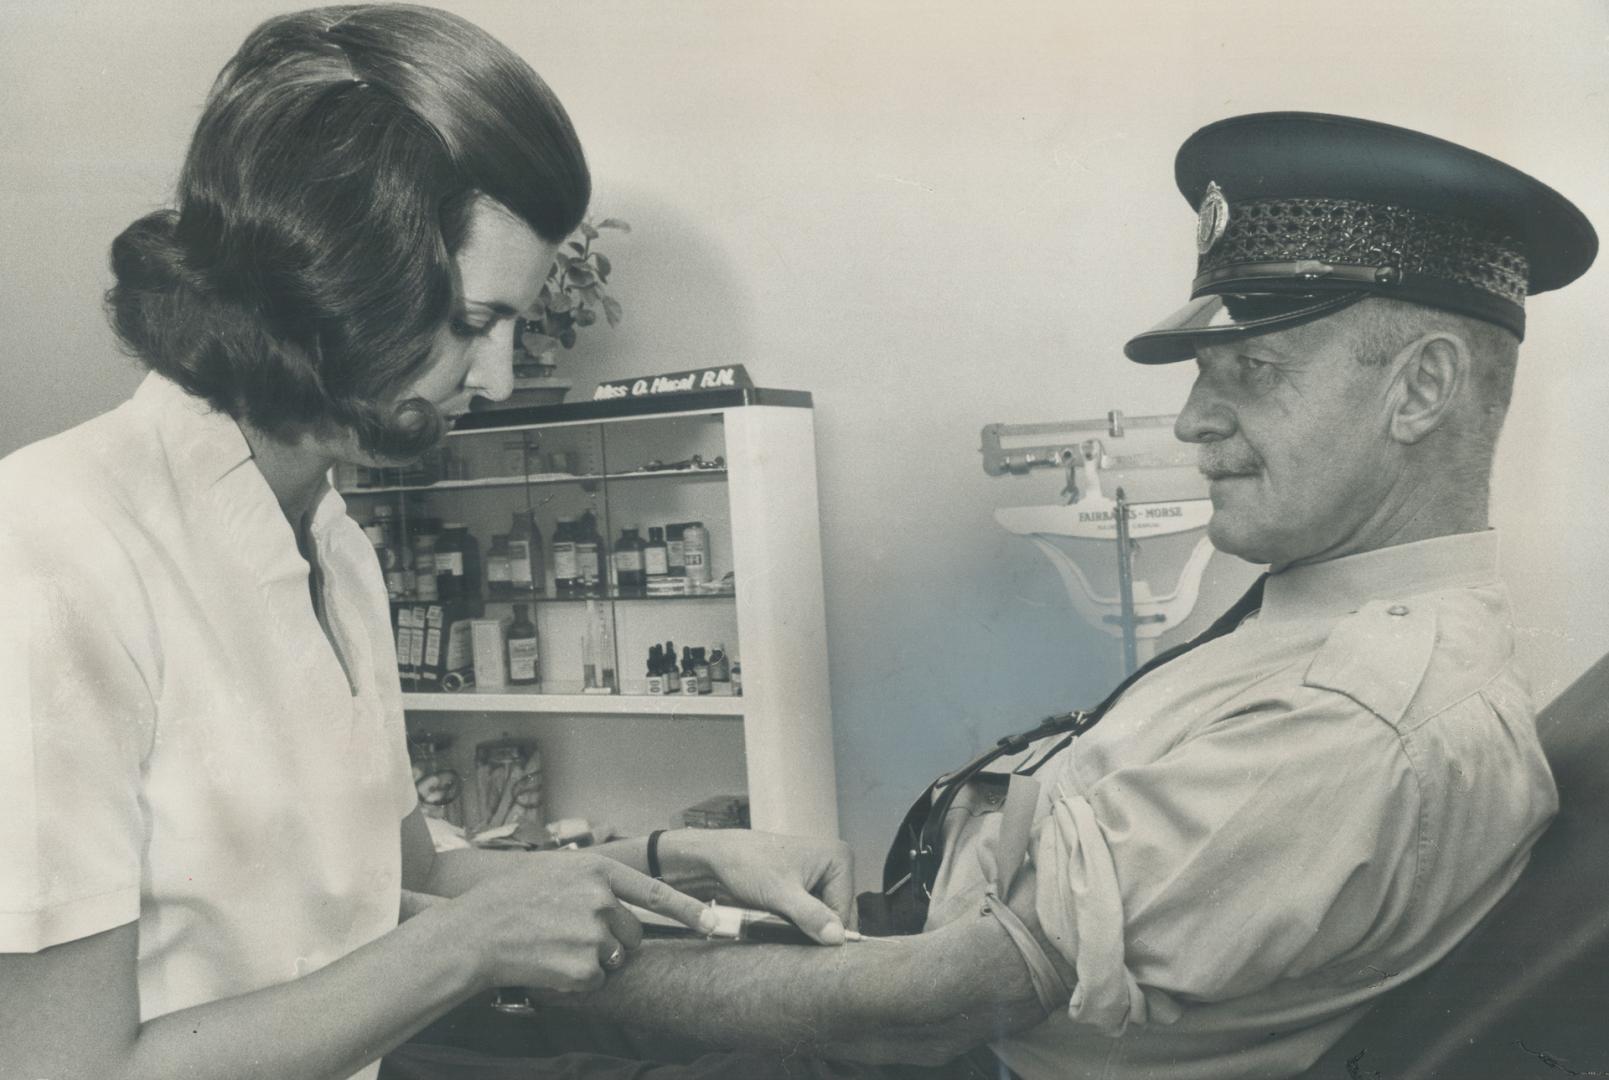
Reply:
x=1326 y=791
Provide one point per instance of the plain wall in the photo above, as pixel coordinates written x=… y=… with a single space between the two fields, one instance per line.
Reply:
x=931 y=215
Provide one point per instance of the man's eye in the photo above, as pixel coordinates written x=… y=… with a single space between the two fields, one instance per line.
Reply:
x=1252 y=364
x=467 y=330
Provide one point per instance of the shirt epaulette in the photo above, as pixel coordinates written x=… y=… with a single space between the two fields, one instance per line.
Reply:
x=1378 y=656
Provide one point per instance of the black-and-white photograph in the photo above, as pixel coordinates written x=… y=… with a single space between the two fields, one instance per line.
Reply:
x=804 y=540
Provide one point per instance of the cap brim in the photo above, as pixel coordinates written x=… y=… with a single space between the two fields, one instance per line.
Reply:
x=1226 y=318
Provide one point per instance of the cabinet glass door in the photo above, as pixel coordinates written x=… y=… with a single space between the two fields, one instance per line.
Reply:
x=670 y=533
x=573 y=558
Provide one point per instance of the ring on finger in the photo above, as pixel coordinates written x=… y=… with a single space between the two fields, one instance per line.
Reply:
x=616 y=958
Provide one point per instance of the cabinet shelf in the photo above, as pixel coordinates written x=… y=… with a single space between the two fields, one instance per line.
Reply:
x=532 y=480
x=517 y=700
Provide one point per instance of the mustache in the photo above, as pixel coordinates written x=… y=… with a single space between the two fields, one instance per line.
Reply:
x=1214 y=462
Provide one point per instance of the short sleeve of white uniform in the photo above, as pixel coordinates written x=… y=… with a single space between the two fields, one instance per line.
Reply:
x=76 y=720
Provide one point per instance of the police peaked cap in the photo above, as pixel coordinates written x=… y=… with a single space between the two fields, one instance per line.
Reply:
x=1301 y=214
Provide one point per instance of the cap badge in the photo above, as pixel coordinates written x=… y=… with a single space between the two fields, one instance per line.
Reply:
x=1212 y=218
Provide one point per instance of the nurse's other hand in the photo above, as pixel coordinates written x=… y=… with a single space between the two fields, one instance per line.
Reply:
x=556 y=921
x=804 y=879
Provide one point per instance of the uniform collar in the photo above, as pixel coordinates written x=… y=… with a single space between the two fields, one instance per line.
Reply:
x=203 y=445
x=210 y=458
x=1340 y=586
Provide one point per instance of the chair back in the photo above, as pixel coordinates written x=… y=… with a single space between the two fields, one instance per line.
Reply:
x=1526 y=994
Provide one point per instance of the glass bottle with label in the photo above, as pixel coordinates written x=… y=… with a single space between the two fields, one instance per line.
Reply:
x=457 y=565
x=539 y=562
x=656 y=555
x=565 y=573
x=524 y=662
x=383 y=527
x=689 y=674
x=522 y=554
x=673 y=677
x=589 y=555
x=696 y=553
x=675 y=551
x=701 y=670
x=628 y=562
x=497 y=568
x=424 y=567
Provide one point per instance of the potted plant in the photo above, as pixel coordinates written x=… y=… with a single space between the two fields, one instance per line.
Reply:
x=571 y=299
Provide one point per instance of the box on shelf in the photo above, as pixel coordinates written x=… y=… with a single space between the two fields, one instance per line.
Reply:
x=488 y=640
x=434 y=650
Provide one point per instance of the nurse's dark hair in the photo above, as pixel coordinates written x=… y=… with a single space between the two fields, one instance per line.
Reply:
x=304 y=273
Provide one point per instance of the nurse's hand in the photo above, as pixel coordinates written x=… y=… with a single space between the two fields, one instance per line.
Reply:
x=557 y=923
x=806 y=880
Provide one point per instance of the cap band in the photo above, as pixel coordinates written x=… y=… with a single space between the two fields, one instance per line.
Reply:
x=1346 y=239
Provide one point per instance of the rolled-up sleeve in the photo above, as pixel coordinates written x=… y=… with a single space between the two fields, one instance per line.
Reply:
x=76 y=718
x=1266 y=846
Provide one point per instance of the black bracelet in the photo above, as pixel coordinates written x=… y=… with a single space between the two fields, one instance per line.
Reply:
x=654 y=870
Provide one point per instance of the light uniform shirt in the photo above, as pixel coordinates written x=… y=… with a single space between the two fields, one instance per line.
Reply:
x=1270 y=831
x=179 y=743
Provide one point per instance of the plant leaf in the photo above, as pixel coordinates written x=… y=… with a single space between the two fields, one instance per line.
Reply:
x=561 y=302
x=585 y=317
x=580 y=274
x=614 y=223
x=588 y=231
x=580 y=249
x=604 y=266
x=612 y=310
x=567 y=339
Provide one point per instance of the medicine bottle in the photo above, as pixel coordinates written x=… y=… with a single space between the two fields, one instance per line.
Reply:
x=701 y=671
x=498 y=582
x=656 y=556
x=673 y=678
x=656 y=669
x=457 y=565
x=589 y=555
x=523 y=554
x=689 y=673
x=564 y=557
x=382 y=527
x=628 y=560
x=539 y=562
x=424 y=567
x=675 y=551
x=696 y=553
x=524 y=665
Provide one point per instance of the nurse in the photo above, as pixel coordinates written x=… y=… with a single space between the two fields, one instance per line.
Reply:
x=210 y=822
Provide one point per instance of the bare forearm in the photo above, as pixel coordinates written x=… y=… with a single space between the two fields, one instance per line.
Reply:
x=455 y=872
x=919 y=999
x=326 y=1025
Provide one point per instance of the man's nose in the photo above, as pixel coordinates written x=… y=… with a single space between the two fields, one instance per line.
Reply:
x=1206 y=417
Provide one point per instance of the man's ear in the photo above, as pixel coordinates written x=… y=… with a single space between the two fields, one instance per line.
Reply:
x=1431 y=373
